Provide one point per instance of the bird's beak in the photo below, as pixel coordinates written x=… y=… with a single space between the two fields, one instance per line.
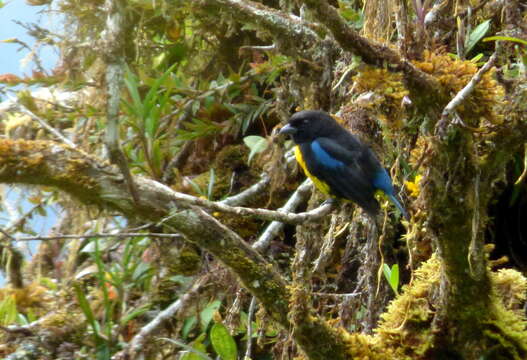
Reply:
x=287 y=130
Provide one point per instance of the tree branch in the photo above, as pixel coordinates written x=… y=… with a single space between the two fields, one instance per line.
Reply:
x=370 y=52
x=52 y=164
x=299 y=196
x=114 y=57
x=289 y=31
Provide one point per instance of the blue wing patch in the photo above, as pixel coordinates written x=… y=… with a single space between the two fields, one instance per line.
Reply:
x=323 y=157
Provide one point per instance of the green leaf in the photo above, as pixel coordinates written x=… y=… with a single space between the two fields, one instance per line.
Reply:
x=85 y=307
x=476 y=58
x=8 y=311
x=222 y=342
x=134 y=313
x=476 y=35
x=207 y=313
x=210 y=188
x=188 y=325
x=197 y=351
x=394 y=278
x=159 y=60
x=196 y=187
x=257 y=144
x=132 y=84
x=141 y=271
x=150 y=98
x=157 y=156
x=392 y=275
x=506 y=38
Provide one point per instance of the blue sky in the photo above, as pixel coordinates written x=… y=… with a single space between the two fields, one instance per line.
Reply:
x=10 y=62
x=10 y=56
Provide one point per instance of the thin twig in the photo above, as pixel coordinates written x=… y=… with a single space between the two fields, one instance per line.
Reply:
x=245 y=195
x=7 y=235
x=139 y=339
x=98 y=235
x=264 y=214
x=462 y=96
x=258 y=47
x=46 y=126
x=250 y=314
x=298 y=197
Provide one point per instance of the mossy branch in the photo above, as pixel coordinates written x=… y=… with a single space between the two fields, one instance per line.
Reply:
x=52 y=164
x=290 y=32
x=370 y=52
x=114 y=51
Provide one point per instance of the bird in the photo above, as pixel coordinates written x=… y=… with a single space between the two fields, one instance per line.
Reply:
x=337 y=162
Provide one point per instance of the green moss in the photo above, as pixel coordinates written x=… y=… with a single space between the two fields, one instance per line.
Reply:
x=187 y=262
x=406 y=327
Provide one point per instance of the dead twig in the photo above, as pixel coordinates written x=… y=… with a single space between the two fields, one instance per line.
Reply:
x=461 y=96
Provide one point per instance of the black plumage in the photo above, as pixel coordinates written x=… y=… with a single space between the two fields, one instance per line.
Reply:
x=337 y=162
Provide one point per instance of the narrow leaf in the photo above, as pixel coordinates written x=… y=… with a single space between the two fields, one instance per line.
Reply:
x=506 y=38
x=394 y=278
x=210 y=188
x=476 y=35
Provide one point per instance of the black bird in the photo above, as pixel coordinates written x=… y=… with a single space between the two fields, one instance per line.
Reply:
x=337 y=162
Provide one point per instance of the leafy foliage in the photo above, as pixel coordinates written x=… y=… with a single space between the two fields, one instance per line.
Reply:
x=201 y=79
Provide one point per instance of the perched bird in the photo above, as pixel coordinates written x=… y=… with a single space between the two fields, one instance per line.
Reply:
x=337 y=162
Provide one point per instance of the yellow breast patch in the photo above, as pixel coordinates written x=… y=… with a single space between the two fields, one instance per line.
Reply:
x=321 y=185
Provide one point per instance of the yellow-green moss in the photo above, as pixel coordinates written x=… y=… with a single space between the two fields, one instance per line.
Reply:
x=406 y=326
x=481 y=107
x=187 y=262
x=30 y=162
x=511 y=287
x=389 y=92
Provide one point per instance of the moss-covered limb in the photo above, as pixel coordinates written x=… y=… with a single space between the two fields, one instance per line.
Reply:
x=114 y=55
x=51 y=164
x=503 y=329
x=264 y=214
x=371 y=52
x=289 y=31
x=464 y=292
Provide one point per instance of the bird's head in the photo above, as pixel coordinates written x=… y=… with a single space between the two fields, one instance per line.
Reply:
x=307 y=125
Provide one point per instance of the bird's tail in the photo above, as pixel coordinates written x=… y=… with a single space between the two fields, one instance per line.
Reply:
x=399 y=206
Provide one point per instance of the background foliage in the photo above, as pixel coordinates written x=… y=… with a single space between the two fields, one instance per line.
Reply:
x=205 y=86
